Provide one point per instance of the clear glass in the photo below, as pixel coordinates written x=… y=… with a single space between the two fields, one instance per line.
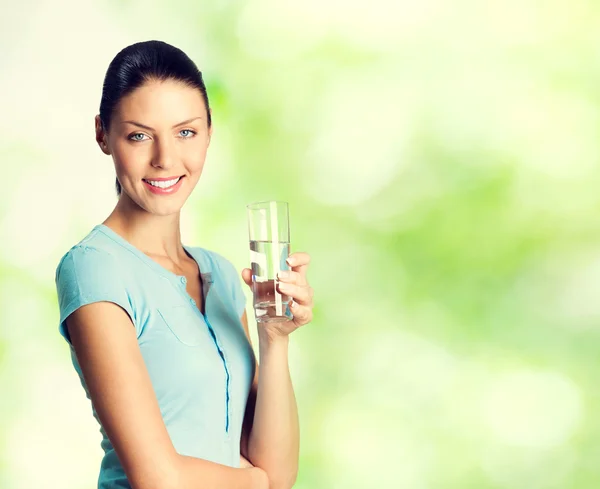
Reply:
x=269 y=233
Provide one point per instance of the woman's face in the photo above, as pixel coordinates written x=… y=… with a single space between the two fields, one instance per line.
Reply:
x=159 y=131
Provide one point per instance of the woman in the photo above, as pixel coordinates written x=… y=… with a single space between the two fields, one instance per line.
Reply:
x=158 y=330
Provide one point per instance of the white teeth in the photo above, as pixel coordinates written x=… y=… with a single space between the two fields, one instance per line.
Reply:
x=163 y=184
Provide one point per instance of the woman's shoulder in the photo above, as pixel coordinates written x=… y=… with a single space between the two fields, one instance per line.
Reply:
x=84 y=264
x=93 y=252
x=91 y=272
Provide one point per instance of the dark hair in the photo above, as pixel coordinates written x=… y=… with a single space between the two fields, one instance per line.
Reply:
x=142 y=62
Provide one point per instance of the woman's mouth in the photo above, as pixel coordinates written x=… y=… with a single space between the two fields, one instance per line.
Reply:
x=162 y=187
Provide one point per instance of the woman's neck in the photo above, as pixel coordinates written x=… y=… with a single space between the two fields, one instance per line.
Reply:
x=152 y=234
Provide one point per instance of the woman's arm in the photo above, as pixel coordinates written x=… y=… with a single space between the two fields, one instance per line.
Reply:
x=105 y=343
x=271 y=430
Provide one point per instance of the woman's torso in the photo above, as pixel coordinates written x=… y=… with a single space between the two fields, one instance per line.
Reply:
x=193 y=344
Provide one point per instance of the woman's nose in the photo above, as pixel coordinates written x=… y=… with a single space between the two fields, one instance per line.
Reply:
x=164 y=155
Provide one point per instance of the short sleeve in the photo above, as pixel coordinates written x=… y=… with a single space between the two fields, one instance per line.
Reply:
x=86 y=275
x=234 y=281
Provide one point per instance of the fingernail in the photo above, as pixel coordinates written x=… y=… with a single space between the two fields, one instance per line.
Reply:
x=289 y=260
x=283 y=274
x=284 y=287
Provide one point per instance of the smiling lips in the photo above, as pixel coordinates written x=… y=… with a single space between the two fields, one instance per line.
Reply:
x=162 y=186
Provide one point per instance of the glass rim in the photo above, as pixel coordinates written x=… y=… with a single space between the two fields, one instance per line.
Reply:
x=264 y=203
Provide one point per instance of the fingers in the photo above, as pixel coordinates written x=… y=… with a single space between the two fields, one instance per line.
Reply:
x=291 y=277
x=299 y=262
x=302 y=314
x=247 y=276
x=301 y=294
x=287 y=276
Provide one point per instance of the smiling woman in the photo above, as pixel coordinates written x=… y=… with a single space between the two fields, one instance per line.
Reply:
x=154 y=109
x=158 y=330
x=139 y=64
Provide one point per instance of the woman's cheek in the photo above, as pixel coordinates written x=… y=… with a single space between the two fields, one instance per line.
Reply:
x=129 y=158
x=197 y=157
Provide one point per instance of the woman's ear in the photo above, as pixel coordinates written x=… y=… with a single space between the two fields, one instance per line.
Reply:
x=210 y=129
x=101 y=138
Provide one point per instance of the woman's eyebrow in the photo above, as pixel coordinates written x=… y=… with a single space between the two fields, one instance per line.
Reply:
x=135 y=123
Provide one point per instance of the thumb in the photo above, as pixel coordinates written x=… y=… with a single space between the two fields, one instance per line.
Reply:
x=247 y=276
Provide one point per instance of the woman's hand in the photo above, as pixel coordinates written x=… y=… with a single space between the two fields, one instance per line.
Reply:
x=294 y=284
x=245 y=463
x=260 y=479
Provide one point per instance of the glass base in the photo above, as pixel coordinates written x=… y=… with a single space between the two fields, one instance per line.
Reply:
x=272 y=319
x=266 y=312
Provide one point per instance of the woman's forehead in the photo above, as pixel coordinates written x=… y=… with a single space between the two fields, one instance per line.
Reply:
x=169 y=101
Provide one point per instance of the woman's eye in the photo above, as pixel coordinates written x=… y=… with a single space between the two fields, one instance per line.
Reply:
x=134 y=137
x=189 y=133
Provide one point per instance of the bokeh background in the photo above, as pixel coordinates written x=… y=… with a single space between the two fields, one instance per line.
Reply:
x=441 y=161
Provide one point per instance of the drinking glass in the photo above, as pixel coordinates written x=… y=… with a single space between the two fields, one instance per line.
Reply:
x=269 y=233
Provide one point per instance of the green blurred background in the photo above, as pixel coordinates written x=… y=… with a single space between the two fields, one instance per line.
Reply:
x=441 y=160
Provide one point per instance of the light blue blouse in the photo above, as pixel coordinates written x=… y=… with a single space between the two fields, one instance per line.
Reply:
x=201 y=366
